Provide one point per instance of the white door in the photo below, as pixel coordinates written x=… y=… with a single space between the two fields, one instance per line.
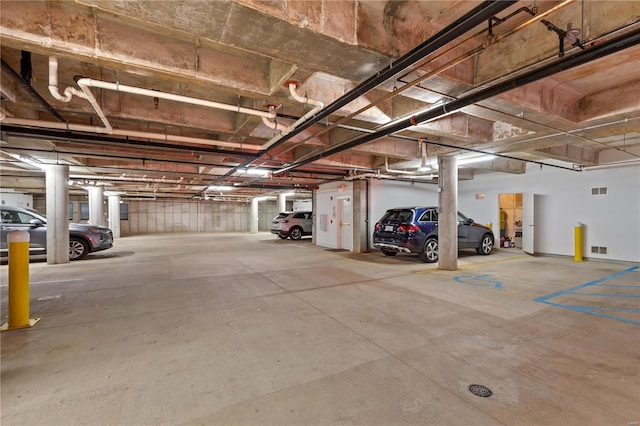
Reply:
x=528 y=222
x=345 y=230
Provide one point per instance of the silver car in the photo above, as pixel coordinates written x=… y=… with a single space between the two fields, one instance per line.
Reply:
x=292 y=225
x=83 y=239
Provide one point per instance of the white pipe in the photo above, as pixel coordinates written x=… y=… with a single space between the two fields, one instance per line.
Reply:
x=53 y=81
x=84 y=85
x=70 y=91
x=275 y=125
x=376 y=175
x=318 y=106
x=89 y=82
x=303 y=99
x=610 y=165
x=388 y=170
x=53 y=84
x=120 y=132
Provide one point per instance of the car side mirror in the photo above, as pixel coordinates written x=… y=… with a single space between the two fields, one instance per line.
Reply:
x=469 y=221
x=36 y=222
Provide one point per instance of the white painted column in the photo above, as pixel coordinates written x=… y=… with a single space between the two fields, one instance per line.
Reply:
x=448 y=213
x=96 y=206
x=57 y=200
x=114 y=214
x=282 y=203
x=359 y=223
x=314 y=216
x=253 y=216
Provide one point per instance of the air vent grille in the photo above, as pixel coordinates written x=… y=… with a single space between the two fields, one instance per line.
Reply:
x=598 y=250
x=603 y=190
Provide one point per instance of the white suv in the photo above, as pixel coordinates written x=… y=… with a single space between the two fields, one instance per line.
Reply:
x=292 y=225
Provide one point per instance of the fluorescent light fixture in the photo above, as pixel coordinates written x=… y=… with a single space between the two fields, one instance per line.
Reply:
x=476 y=159
x=254 y=171
x=220 y=188
x=287 y=194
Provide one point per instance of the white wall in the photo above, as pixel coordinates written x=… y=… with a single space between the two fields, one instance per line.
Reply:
x=611 y=220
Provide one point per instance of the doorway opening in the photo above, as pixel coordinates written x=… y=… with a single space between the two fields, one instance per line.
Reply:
x=511 y=220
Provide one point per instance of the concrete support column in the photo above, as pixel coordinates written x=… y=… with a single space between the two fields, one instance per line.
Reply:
x=360 y=226
x=96 y=206
x=57 y=201
x=448 y=213
x=253 y=216
x=282 y=203
x=314 y=217
x=114 y=215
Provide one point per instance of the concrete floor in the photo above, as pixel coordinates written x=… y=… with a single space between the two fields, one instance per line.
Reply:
x=220 y=329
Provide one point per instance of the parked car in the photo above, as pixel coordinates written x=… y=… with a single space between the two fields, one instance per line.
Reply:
x=292 y=225
x=415 y=230
x=83 y=239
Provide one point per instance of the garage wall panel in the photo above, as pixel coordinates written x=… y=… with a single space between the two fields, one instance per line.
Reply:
x=267 y=210
x=183 y=216
x=146 y=217
x=193 y=217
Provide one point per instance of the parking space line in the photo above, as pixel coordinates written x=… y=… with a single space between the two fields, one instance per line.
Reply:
x=49 y=282
x=597 y=310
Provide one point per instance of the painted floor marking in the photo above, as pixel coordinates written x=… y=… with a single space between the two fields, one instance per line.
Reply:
x=628 y=274
x=483 y=280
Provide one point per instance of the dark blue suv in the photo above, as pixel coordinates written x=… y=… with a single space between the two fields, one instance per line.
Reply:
x=415 y=230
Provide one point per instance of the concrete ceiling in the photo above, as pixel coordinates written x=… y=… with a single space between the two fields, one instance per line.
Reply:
x=242 y=54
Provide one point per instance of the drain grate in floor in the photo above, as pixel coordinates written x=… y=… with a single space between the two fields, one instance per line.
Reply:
x=480 y=390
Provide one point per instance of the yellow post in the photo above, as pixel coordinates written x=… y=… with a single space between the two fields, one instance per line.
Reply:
x=18 y=282
x=578 y=242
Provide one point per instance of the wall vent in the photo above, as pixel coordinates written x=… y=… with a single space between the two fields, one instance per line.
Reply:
x=598 y=250
x=599 y=191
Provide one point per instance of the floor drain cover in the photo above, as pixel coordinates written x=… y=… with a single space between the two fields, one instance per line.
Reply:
x=480 y=390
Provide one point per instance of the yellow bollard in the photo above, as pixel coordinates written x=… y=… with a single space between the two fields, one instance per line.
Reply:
x=578 y=242
x=18 y=282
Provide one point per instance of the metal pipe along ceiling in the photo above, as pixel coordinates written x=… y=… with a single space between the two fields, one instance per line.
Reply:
x=470 y=20
x=579 y=58
x=467 y=22
x=27 y=86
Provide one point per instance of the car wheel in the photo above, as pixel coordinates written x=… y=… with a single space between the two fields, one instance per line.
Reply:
x=77 y=248
x=429 y=252
x=389 y=252
x=295 y=233
x=486 y=245
x=284 y=237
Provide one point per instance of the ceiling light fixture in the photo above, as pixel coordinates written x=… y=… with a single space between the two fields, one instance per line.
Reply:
x=220 y=188
x=255 y=172
x=475 y=159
